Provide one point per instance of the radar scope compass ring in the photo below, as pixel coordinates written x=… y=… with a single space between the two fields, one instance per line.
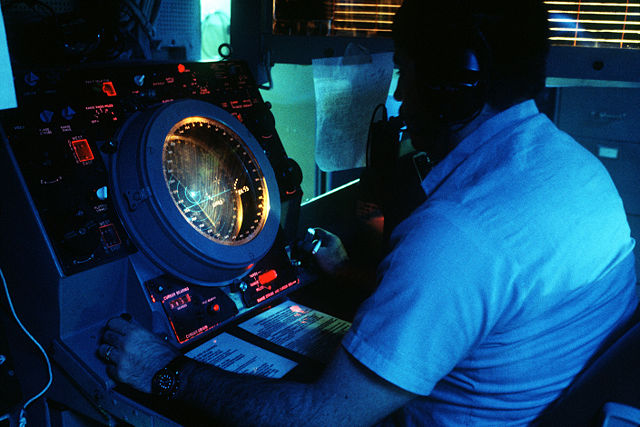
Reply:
x=214 y=181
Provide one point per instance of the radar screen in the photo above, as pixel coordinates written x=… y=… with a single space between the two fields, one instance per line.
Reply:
x=215 y=181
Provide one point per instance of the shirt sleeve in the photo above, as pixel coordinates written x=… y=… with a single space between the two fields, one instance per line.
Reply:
x=440 y=293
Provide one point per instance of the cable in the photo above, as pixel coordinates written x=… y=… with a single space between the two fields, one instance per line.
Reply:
x=266 y=63
x=143 y=20
x=23 y=418
x=155 y=11
x=373 y=118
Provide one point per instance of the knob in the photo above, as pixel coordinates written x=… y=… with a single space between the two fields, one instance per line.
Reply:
x=102 y=194
x=67 y=113
x=109 y=147
x=80 y=237
x=139 y=80
x=31 y=79
x=46 y=116
x=291 y=176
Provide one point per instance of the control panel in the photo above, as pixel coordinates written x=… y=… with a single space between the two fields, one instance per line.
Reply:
x=64 y=128
x=179 y=165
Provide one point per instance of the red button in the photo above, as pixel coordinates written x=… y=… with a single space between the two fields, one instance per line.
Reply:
x=267 y=277
x=109 y=88
x=83 y=150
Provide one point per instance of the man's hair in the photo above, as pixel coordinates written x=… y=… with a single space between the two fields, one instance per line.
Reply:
x=510 y=39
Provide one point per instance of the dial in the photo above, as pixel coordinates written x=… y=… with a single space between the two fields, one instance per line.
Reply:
x=215 y=181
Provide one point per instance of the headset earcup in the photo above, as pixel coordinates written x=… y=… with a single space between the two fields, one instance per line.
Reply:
x=453 y=105
x=457 y=92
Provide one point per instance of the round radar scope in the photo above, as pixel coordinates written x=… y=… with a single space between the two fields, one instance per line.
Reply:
x=215 y=180
x=195 y=190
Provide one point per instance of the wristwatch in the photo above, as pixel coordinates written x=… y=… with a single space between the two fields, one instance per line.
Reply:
x=166 y=382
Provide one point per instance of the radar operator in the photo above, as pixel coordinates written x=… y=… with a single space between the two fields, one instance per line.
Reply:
x=496 y=291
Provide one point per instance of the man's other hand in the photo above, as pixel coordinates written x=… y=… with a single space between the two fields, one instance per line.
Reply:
x=331 y=256
x=134 y=354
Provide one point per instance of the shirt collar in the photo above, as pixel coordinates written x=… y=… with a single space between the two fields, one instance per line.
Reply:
x=479 y=137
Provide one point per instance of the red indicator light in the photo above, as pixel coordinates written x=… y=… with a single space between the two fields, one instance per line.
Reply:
x=109 y=89
x=181 y=68
x=216 y=307
x=267 y=277
x=83 y=150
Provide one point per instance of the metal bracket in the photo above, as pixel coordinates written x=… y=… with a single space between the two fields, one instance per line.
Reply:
x=134 y=198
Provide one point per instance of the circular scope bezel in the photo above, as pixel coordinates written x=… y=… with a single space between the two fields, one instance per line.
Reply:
x=156 y=224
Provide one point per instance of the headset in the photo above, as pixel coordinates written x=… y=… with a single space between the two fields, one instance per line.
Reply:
x=456 y=93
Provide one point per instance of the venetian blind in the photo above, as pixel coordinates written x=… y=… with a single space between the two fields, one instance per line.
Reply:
x=614 y=23
x=363 y=17
x=595 y=23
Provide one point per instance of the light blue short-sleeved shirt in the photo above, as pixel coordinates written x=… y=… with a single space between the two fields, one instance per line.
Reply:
x=501 y=286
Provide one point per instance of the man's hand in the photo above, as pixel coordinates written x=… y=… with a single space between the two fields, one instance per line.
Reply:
x=134 y=354
x=331 y=256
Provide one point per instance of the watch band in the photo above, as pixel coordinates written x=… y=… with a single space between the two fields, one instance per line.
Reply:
x=166 y=382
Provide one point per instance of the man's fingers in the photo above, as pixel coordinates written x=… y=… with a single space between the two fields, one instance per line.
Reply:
x=323 y=234
x=112 y=338
x=120 y=325
x=109 y=353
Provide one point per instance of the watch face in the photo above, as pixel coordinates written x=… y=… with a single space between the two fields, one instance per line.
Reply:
x=163 y=382
x=215 y=181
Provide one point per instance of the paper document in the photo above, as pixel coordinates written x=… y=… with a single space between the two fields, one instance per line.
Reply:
x=299 y=328
x=235 y=355
x=346 y=97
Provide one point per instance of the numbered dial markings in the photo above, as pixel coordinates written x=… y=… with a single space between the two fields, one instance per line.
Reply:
x=215 y=180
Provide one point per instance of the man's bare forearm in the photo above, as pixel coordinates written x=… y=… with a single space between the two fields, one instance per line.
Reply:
x=226 y=398
x=347 y=393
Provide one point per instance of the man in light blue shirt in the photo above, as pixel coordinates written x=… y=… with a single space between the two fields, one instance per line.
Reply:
x=501 y=287
x=503 y=284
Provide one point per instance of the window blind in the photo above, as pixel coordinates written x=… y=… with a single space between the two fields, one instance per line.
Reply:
x=595 y=23
x=363 y=17
x=614 y=23
x=605 y=23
